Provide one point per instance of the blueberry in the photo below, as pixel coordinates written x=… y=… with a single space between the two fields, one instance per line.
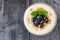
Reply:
x=46 y=19
x=42 y=22
x=41 y=25
x=36 y=23
x=42 y=16
x=33 y=19
x=39 y=17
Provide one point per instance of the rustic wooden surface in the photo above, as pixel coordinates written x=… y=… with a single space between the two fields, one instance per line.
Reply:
x=11 y=20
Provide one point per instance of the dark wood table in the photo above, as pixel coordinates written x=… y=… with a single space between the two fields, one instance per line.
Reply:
x=11 y=20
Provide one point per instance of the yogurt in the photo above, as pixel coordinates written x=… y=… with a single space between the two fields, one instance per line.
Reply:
x=29 y=24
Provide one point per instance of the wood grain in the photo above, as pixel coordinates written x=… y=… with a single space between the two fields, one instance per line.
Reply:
x=11 y=20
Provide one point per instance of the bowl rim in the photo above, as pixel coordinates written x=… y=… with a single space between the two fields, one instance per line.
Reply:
x=54 y=24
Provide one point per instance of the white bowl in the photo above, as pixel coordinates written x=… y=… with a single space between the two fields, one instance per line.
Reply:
x=48 y=28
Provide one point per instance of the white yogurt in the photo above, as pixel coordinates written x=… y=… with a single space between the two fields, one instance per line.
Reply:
x=48 y=27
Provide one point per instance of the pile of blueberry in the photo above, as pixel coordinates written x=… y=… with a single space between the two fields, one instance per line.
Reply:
x=40 y=20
